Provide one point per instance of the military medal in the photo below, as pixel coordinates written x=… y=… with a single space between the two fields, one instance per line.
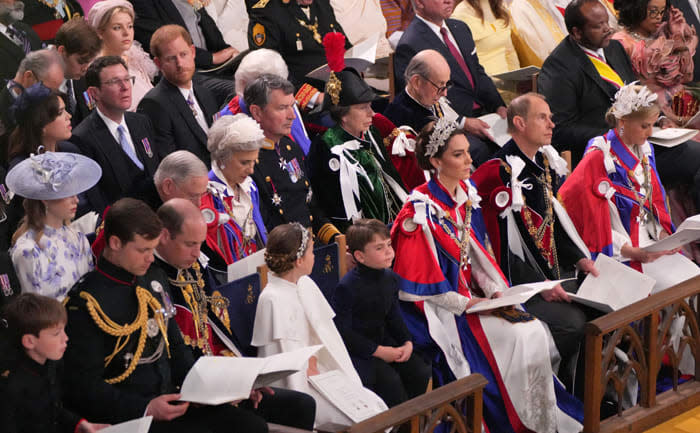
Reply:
x=276 y=199
x=300 y=46
x=309 y=195
x=168 y=307
x=5 y=283
x=88 y=100
x=152 y=327
x=147 y=147
x=4 y=194
x=127 y=359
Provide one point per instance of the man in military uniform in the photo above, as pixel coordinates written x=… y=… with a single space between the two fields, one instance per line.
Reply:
x=202 y=313
x=281 y=172
x=294 y=28
x=126 y=356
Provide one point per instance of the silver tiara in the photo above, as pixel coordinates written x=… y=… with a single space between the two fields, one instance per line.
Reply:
x=441 y=132
x=628 y=100
x=305 y=236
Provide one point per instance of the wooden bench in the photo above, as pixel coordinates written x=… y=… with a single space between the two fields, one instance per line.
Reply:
x=644 y=329
x=459 y=402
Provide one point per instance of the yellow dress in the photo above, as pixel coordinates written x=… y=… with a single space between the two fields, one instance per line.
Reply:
x=492 y=37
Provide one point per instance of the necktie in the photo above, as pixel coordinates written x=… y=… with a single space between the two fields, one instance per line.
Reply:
x=457 y=55
x=190 y=103
x=20 y=38
x=127 y=147
x=70 y=103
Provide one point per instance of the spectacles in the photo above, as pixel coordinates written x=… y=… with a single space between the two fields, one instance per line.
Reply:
x=653 y=13
x=128 y=81
x=439 y=89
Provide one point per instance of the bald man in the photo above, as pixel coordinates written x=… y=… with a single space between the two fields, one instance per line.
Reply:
x=424 y=99
x=179 y=257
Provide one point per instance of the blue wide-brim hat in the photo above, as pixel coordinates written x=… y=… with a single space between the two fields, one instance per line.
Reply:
x=53 y=175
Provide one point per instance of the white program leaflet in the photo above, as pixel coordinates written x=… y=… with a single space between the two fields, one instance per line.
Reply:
x=215 y=380
x=348 y=396
x=671 y=137
x=688 y=231
x=498 y=127
x=246 y=266
x=617 y=286
x=515 y=295
x=670 y=270
x=139 y=425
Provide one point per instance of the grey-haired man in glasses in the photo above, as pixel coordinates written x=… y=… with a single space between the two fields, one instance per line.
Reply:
x=119 y=140
x=425 y=98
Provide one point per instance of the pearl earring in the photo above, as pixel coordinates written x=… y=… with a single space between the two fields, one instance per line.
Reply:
x=622 y=130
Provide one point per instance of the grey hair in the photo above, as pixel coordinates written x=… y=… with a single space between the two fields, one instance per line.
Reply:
x=39 y=62
x=258 y=92
x=179 y=166
x=417 y=66
x=229 y=134
x=256 y=63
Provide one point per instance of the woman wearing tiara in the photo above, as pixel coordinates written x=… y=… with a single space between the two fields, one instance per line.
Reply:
x=292 y=313
x=615 y=197
x=445 y=269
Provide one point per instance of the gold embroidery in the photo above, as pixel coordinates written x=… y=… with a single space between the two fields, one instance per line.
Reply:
x=327 y=266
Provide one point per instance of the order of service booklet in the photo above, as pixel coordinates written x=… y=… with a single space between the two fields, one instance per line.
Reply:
x=138 y=425
x=515 y=295
x=215 y=380
x=616 y=286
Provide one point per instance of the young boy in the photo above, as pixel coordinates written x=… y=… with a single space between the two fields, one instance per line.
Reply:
x=368 y=318
x=34 y=325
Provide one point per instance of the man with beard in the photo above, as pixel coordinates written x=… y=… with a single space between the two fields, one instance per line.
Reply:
x=582 y=75
x=17 y=39
x=177 y=98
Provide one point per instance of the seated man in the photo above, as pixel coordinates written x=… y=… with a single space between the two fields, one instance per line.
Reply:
x=41 y=65
x=282 y=172
x=470 y=90
x=176 y=97
x=119 y=140
x=17 y=39
x=181 y=175
x=294 y=28
x=211 y=49
x=421 y=101
x=522 y=182
x=580 y=79
x=200 y=309
x=78 y=44
x=115 y=373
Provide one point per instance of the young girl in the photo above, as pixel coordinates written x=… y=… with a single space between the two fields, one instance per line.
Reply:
x=292 y=313
x=49 y=256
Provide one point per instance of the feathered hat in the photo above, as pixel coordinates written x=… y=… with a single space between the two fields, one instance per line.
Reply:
x=345 y=86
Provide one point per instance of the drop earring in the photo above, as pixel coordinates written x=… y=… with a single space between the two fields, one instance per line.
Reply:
x=622 y=130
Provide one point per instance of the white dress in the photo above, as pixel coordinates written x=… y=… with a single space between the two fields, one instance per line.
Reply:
x=54 y=264
x=291 y=316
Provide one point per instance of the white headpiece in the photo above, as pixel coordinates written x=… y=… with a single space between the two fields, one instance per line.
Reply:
x=628 y=100
x=304 y=240
x=441 y=132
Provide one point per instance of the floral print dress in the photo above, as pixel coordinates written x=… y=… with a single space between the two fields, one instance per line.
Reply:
x=52 y=265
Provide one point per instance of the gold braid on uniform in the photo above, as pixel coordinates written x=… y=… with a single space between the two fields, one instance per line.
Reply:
x=198 y=303
x=107 y=325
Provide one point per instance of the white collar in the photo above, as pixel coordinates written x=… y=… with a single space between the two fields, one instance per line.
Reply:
x=111 y=124
x=598 y=53
x=3 y=28
x=417 y=101
x=228 y=189
x=186 y=92
x=434 y=27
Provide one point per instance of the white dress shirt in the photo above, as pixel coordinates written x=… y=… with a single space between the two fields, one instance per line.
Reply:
x=112 y=127
x=200 y=113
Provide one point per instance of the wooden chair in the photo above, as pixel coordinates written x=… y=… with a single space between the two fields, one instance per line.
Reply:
x=392 y=78
x=243 y=295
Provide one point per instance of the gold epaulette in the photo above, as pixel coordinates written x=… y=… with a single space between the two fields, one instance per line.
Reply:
x=124 y=332
x=260 y=4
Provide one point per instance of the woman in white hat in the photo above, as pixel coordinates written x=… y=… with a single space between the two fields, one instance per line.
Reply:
x=49 y=256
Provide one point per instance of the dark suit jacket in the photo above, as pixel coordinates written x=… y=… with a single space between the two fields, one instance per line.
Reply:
x=577 y=95
x=418 y=37
x=174 y=124
x=692 y=20
x=153 y=14
x=81 y=110
x=120 y=176
x=12 y=54
x=6 y=123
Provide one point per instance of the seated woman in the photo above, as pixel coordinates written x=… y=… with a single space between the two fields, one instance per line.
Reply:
x=491 y=29
x=48 y=254
x=445 y=269
x=353 y=175
x=114 y=22
x=230 y=207
x=614 y=196
x=660 y=45
x=292 y=313
x=42 y=120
